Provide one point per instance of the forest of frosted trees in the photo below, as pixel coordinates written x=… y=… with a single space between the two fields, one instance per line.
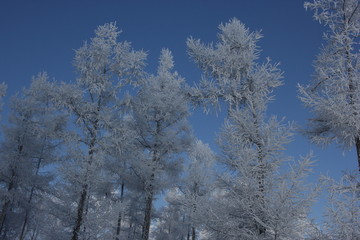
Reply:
x=89 y=158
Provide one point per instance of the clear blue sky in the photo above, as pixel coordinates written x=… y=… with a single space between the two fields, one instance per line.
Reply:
x=41 y=35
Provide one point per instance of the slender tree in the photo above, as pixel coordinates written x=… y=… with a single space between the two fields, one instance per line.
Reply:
x=342 y=218
x=243 y=210
x=235 y=77
x=123 y=151
x=184 y=215
x=29 y=146
x=244 y=205
x=105 y=66
x=333 y=96
x=160 y=110
x=172 y=222
x=197 y=186
x=342 y=213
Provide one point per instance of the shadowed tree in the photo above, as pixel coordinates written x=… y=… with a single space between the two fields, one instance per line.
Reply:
x=30 y=146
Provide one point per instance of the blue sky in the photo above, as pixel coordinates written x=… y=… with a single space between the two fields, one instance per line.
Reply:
x=41 y=35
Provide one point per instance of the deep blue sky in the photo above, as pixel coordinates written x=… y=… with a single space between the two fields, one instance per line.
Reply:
x=42 y=35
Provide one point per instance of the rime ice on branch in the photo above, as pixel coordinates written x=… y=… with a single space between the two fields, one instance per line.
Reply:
x=246 y=206
x=334 y=93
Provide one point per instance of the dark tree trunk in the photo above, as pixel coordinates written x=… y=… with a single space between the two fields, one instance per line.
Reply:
x=357 y=144
x=147 y=218
x=149 y=195
x=22 y=234
x=80 y=213
x=27 y=212
x=118 y=227
x=350 y=75
x=130 y=229
x=6 y=204
x=82 y=207
x=193 y=233
x=3 y=216
x=261 y=181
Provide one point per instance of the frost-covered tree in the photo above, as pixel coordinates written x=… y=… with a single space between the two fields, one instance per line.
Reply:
x=342 y=218
x=29 y=148
x=233 y=75
x=3 y=88
x=230 y=66
x=273 y=205
x=251 y=143
x=172 y=222
x=127 y=186
x=160 y=112
x=197 y=186
x=184 y=215
x=105 y=66
x=334 y=94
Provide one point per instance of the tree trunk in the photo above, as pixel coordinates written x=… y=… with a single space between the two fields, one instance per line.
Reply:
x=133 y=232
x=149 y=194
x=130 y=228
x=22 y=234
x=27 y=212
x=35 y=234
x=260 y=174
x=3 y=216
x=147 y=218
x=261 y=181
x=357 y=144
x=6 y=204
x=80 y=213
x=84 y=194
x=118 y=227
x=11 y=186
x=350 y=75
x=193 y=233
